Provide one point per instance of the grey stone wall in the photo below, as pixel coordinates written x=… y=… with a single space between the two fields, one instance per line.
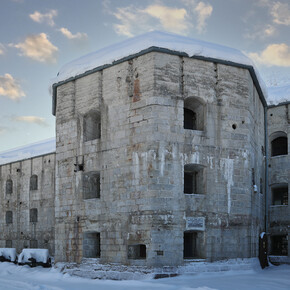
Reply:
x=141 y=155
x=279 y=172
x=25 y=231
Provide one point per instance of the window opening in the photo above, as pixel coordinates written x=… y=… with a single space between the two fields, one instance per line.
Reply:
x=33 y=182
x=33 y=215
x=279 y=146
x=280 y=195
x=91 y=185
x=279 y=245
x=92 y=126
x=91 y=245
x=9 y=186
x=193 y=179
x=189 y=119
x=9 y=217
x=137 y=251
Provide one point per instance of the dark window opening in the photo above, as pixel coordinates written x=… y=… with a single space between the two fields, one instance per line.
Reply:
x=8 y=244
x=279 y=146
x=189 y=119
x=33 y=182
x=279 y=245
x=137 y=251
x=33 y=244
x=33 y=215
x=194 y=179
x=280 y=195
x=190 y=250
x=91 y=185
x=9 y=186
x=92 y=126
x=91 y=245
x=190 y=181
x=9 y=217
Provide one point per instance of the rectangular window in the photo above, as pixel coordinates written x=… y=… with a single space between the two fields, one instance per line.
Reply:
x=91 y=185
x=279 y=245
x=137 y=251
x=91 y=245
x=9 y=217
x=194 y=179
x=33 y=215
x=280 y=195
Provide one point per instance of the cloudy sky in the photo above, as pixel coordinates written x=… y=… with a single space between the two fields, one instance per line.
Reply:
x=37 y=37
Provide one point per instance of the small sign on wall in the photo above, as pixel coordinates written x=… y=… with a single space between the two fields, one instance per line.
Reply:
x=195 y=223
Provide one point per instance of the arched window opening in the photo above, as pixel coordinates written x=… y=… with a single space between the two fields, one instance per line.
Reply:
x=194 y=179
x=279 y=143
x=193 y=114
x=280 y=194
x=9 y=186
x=92 y=126
x=33 y=182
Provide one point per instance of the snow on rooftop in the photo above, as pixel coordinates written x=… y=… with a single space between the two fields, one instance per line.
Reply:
x=130 y=46
x=28 y=151
x=278 y=94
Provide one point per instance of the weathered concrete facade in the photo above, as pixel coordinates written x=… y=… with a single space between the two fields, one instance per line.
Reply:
x=143 y=153
x=279 y=176
x=159 y=158
x=27 y=203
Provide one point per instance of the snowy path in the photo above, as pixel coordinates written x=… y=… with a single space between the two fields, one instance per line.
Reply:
x=15 y=277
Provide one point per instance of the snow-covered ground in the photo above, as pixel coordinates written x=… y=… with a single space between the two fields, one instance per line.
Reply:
x=23 y=277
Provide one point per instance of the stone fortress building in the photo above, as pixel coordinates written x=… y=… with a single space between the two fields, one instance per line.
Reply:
x=166 y=150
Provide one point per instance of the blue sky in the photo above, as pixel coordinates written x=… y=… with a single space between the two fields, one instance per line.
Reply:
x=37 y=37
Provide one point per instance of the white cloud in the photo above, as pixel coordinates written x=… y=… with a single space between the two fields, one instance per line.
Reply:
x=260 y=32
x=31 y=119
x=69 y=35
x=1 y=49
x=269 y=30
x=38 y=47
x=203 y=11
x=281 y=13
x=134 y=20
x=44 y=18
x=10 y=88
x=172 y=19
x=273 y=55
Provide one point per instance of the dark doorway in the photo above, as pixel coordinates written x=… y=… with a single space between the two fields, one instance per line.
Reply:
x=189 y=245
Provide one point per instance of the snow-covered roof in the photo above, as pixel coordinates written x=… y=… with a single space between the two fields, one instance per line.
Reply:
x=28 y=151
x=159 y=40
x=278 y=94
x=131 y=46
